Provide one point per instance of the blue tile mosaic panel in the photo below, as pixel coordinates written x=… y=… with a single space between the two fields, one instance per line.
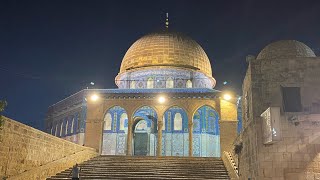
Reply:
x=206 y=134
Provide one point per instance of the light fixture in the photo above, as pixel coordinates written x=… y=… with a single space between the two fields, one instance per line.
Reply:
x=94 y=97
x=161 y=99
x=227 y=97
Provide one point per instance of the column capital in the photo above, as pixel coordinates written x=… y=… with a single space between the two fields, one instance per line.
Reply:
x=160 y=123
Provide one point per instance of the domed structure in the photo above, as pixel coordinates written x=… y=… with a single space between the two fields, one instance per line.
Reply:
x=162 y=56
x=285 y=49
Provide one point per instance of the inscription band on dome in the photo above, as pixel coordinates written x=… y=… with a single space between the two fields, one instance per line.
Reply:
x=155 y=65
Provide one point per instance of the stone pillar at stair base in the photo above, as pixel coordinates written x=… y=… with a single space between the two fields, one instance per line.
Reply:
x=94 y=125
x=228 y=133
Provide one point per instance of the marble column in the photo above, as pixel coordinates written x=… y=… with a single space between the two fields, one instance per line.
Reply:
x=190 y=126
x=159 y=144
x=129 y=137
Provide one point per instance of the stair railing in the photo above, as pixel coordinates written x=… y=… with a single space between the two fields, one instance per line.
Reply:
x=230 y=164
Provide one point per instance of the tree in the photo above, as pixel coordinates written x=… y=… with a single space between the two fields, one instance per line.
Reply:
x=3 y=104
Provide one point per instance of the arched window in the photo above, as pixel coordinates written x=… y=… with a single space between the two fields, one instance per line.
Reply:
x=177 y=122
x=150 y=83
x=189 y=84
x=107 y=122
x=132 y=85
x=123 y=118
x=169 y=83
x=72 y=125
x=67 y=124
x=61 y=128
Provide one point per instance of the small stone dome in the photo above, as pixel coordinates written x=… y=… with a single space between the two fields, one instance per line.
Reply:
x=285 y=49
x=169 y=49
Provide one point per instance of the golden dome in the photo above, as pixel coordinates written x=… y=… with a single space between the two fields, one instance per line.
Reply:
x=166 y=49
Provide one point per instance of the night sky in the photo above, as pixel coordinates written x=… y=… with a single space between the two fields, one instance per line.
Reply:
x=52 y=49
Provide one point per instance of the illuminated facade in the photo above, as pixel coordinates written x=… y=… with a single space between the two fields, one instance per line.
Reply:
x=165 y=105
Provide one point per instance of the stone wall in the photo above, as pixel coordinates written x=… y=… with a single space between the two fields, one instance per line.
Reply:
x=296 y=155
x=27 y=153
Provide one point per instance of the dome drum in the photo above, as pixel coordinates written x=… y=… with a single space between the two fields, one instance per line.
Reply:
x=163 y=78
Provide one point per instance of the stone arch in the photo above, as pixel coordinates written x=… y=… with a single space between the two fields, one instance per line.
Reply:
x=206 y=133
x=140 y=107
x=175 y=139
x=145 y=112
x=145 y=139
x=150 y=83
x=136 y=120
x=114 y=139
x=169 y=83
x=202 y=105
x=176 y=105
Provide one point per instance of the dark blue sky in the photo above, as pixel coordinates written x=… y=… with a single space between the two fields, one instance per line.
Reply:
x=52 y=49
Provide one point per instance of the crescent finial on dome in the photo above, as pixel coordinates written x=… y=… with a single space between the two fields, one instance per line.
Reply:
x=167 y=20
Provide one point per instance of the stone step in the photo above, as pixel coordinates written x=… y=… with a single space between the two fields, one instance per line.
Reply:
x=149 y=171
x=139 y=174
x=155 y=166
x=147 y=177
x=132 y=167
x=155 y=160
x=152 y=172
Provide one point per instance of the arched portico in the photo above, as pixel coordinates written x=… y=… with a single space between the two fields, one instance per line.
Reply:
x=115 y=129
x=144 y=132
x=206 y=133
x=175 y=132
x=97 y=112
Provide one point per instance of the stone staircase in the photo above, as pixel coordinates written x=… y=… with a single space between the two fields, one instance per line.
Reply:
x=146 y=167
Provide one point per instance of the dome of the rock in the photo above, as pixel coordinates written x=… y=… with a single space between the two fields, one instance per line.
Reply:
x=162 y=56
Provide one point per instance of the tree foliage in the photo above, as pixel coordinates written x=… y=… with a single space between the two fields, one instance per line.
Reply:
x=3 y=104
